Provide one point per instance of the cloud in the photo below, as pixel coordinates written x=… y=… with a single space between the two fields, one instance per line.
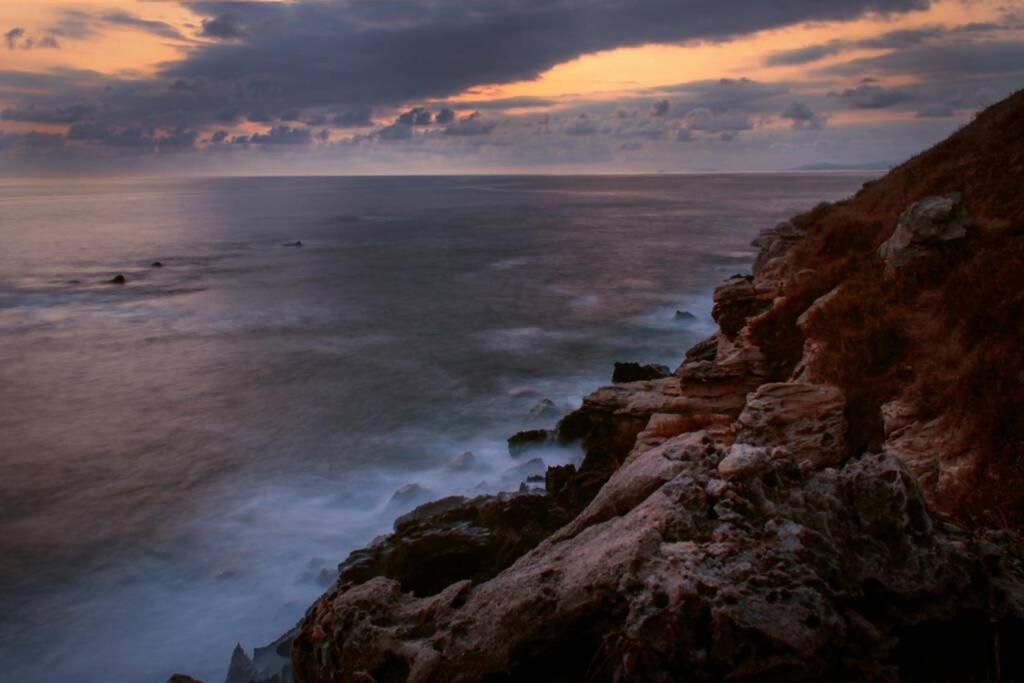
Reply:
x=941 y=61
x=310 y=54
x=13 y=36
x=227 y=26
x=711 y=121
x=474 y=124
x=128 y=20
x=581 y=125
x=282 y=135
x=18 y=39
x=803 y=117
x=78 y=24
x=444 y=116
x=871 y=96
x=417 y=116
x=33 y=114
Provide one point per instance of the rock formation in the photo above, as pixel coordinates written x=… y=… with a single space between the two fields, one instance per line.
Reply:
x=787 y=505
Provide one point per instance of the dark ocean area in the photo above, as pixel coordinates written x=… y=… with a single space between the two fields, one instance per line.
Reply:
x=185 y=457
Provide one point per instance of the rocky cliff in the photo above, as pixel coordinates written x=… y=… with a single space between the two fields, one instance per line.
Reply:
x=826 y=489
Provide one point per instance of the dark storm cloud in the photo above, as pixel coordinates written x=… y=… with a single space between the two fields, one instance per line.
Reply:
x=802 y=116
x=474 y=124
x=417 y=116
x=941 y=61
x=444 y=116
x=33 y=114
x=312 y=54
x=227 y=26
x=31 y=139
x=282 y=135
x=872 y=96
x=892 y=40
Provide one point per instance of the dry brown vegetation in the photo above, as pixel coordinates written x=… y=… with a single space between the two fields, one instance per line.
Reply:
x=952 y=323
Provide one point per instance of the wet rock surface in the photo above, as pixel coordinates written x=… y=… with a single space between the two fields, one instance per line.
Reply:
x=672 y=574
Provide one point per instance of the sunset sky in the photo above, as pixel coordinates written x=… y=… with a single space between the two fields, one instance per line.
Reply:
x=427 y=86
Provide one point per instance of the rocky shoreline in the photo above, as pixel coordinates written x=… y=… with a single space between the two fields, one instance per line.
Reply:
x=744 y=517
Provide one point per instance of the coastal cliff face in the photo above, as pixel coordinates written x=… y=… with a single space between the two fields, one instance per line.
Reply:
x=826 y=489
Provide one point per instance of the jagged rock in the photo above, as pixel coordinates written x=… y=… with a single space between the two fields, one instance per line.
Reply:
x=296 y=243
x=182 y=678
x=456 y=538
x=744 y=460
x=736 y=300
x=521 y=442
x=544 y=410
x=408 y=496
x=705 y=350
x=806 y=419
x=462 y=462
x=533 y=466
x=837 y=574
x=118 y=279
x=774 y=243
x=241 y=668
x=635 y=372
x=924 y=225
x=684 y=315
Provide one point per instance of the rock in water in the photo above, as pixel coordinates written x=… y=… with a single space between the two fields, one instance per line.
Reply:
x=521 y=442
x=296 y=243
x=544 y=410
x=684 y=315
x=241 y=668
x=156 y=264
x=635 y=372
x=924 y=225
x=118 y=279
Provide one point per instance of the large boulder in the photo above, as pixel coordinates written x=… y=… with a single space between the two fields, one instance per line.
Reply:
x=456 y=538
x=805 y=419
x=736 y=300
x=673 y=573
x=924 y=225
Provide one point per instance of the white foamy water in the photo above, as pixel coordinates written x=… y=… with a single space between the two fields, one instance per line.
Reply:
x=183 y=456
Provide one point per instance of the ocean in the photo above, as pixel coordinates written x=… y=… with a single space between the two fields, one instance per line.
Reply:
x=186 y=456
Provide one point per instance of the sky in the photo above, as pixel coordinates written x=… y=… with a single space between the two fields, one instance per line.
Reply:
x=493 y=86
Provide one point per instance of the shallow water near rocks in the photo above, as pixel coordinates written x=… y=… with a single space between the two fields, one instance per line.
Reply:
x=184 y=458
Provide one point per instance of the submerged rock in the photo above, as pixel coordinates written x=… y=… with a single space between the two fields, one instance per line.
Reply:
x=118 y=279
x=296 y=243
x=521 y=442
x=156 y=264
x=241 y=668
x=635 y=372
x=544 y=410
